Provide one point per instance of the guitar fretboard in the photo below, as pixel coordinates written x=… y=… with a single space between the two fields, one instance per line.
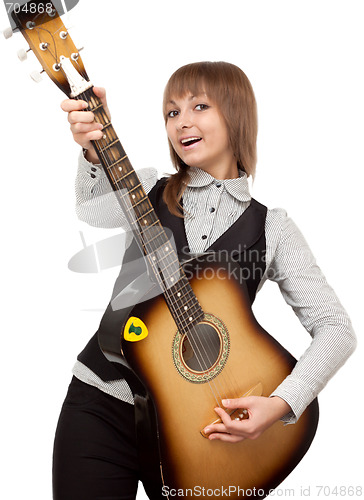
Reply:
x=143 y=221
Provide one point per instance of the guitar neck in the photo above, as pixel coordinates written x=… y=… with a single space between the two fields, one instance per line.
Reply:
x=121 y=175
x=143 y=220
x=61 y=60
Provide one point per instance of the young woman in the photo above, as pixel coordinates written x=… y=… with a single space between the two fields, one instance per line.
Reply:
x=211 y=123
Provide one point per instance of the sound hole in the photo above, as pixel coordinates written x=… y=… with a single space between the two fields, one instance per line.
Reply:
x=201 y=349
x=202 y=354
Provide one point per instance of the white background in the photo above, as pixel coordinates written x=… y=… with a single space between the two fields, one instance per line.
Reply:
x=305 y=62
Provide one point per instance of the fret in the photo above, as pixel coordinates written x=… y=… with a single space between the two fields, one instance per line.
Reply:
x=117 y=162
x=166 y=270
x=186 y=284
x=135 y=187
x=133 y=205
x=190 y=296
x=158 y=255
x=99 y=106
x=162 y=253
x=109 y=131
x=164 y=267
x=188 y=322
x=192 y=312
x=109 y=145
x=158 y=235
x=190 y=299
x=101 y=116
x=106 y=125
x=181 y=303
x=144 y=215
x=157 y=222
x=117 y=180
x=165 y=280
x=188 y=316
x=157 y=232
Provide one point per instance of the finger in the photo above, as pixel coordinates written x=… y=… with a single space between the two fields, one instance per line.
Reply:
x=237 y=403
x=228 y=438
x=73 y=105
x=215 y=428
x=84 y=139
x=100 y=92
x=231 y=426
x=225 y=417
x=81 y=116
x=80 y=128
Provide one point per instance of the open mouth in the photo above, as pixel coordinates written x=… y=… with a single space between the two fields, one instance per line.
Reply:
x=190 y=140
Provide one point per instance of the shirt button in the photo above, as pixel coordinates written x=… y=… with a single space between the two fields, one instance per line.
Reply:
x=204 y=237
x=218 y=184
x=212 y=209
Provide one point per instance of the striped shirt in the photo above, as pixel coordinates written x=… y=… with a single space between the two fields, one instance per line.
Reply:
x=212 y=206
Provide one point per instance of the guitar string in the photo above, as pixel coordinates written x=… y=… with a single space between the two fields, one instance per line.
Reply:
x=107 y=162
x=198 y=355
x=193 y=340
x=102 y=150
x=150 y=250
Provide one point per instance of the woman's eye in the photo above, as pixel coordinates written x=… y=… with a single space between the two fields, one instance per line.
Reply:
x=172 y=114
x=201 y=107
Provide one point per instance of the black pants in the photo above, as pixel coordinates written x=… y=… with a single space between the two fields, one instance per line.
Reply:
x=95 y=455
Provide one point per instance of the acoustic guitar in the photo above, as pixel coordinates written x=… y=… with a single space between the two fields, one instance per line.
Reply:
x=189 y=342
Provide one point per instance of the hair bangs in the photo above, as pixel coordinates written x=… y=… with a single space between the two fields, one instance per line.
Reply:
x=196 y=79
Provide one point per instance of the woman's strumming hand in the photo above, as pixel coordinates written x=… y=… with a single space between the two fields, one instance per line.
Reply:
x=262 y=411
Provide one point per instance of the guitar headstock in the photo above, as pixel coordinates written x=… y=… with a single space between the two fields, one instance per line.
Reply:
x=42 y=27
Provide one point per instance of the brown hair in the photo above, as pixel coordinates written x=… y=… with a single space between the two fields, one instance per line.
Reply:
x=228 y=86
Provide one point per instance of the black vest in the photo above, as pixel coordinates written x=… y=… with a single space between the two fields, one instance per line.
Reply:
x=244 y=242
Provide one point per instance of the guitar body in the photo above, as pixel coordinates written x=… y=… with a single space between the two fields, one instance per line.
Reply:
x=242 y=356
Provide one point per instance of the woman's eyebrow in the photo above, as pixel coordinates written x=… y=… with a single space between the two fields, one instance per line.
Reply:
x=190 y=98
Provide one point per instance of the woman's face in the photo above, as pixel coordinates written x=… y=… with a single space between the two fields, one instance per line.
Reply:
x=199 y=135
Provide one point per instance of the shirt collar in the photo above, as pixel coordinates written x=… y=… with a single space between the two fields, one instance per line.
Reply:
x=238 y=188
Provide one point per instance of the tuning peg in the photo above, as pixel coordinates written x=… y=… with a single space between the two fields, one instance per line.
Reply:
x=8 y=32
x=76 y=55
x=23 y=54
x=36 y=76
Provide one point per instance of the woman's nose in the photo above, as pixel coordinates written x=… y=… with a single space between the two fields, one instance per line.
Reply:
x=184 y=120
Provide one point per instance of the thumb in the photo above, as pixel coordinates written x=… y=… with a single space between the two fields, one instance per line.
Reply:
x=100 y=92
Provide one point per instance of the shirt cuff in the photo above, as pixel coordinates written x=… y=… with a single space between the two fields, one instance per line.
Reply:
x=90 y=169
x=294 y=392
